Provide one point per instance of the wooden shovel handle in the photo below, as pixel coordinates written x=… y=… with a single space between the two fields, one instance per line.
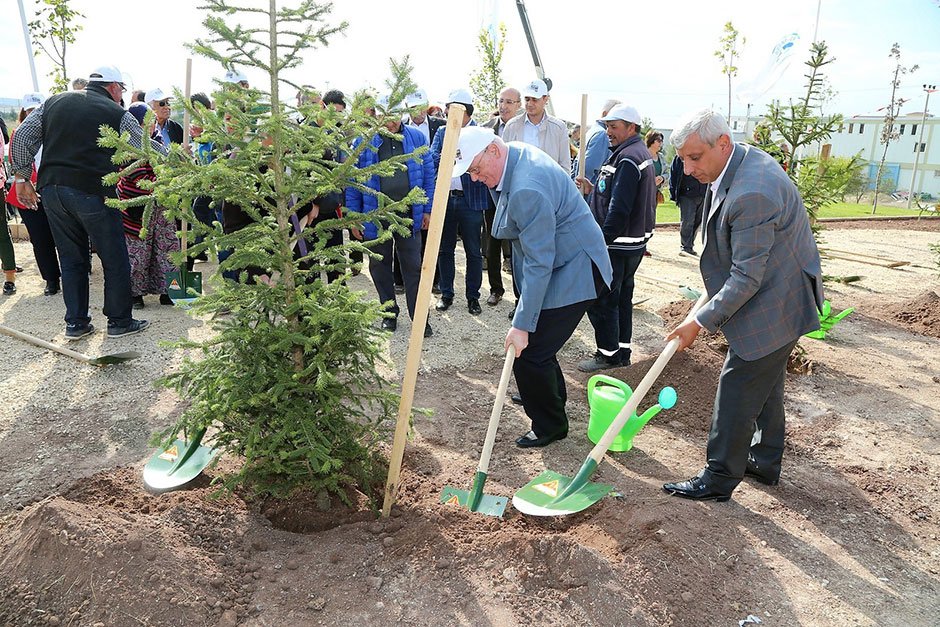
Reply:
x=642 y=388
x=44 y=344
x=581 y=142
x=497 y=410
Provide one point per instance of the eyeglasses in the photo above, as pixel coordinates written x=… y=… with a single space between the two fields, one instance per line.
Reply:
x=123 y=88
x=508 y=101
x=475 y=169
x=163 y=103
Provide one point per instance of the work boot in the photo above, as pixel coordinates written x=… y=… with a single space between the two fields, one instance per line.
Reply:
x=600 y=361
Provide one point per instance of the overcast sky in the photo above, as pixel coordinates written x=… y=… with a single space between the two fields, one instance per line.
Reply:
x=657 y=56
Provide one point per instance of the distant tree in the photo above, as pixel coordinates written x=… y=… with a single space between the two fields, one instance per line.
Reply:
x=487 y=81
x=52 y=31
x=727 y=52
x=888 y=134
x=857 y=184
x=646 y=125
x=801 y=125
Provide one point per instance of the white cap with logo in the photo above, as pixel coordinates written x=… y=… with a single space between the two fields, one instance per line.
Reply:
x=417 y=99
x=623 y=112
x=106 y=74
x=535 y=89
x=473 y=140
x=33 y=100
x=235 y=76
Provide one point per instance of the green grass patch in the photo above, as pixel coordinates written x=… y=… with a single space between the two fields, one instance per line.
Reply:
x=669 y=212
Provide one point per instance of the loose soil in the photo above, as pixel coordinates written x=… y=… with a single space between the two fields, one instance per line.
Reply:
x=848 y=537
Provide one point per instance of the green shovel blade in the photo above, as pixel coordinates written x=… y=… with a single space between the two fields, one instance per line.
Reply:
x=474 y=499
x=177 y=465
x=181 y=284
x=116 y=358
x=540 y=497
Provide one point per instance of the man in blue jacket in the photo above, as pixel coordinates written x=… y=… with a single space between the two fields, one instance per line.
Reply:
x=559 y=262
x=419 y=173
x=465 y=206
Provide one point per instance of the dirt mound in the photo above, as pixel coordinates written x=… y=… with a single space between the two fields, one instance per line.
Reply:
x=920 y=314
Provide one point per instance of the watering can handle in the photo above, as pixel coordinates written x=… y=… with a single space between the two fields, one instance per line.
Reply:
x=603 y=378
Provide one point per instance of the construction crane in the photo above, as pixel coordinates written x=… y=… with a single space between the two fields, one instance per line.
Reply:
x=536 y=59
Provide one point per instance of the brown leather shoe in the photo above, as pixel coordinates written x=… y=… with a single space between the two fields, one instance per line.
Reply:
x=493 y=299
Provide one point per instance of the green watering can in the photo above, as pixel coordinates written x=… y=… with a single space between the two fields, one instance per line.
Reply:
x=607 y=396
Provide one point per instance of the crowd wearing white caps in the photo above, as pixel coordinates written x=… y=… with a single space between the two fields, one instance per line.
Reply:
x=521 y=118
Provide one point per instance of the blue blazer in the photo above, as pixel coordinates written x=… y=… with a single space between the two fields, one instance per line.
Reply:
x=476 y=194
x=760 y=262
x=420 y=174
x=555 y=239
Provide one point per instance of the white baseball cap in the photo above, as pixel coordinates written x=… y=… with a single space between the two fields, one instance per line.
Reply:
x=155 y=94
x=623 y=112
x=33 y=100
x=381 y=102
x=473 y=140
x=235 y=76
x=461 y=96
x=417 y=99
x=535 y=89
x=106 y=74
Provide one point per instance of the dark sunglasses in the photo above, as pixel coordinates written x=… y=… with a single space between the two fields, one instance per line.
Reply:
x=163 y=103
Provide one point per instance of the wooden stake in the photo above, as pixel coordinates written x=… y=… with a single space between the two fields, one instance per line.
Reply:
x=581 y=142
x=184 y=226
x=895 y=263
x=455 y=115
x=856 y=258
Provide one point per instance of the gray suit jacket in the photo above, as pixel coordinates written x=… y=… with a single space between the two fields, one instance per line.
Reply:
x=760 y=263
x=555 y=239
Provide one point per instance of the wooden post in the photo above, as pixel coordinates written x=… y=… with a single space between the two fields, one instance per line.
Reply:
x=581 y=146
x=189 y=80
x=441 y=193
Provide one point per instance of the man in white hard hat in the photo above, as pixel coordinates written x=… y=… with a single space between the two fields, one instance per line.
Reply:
x=66 y=126
x=537 y=128
x=559 y=262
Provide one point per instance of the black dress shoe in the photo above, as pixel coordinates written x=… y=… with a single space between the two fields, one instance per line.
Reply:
x=165 y=299
x=530 y=440
x=52 y=288
x=515 y=398
x=428 y=332
x=512 y=314
x=473 y=306
x=389 y=324
x=137 y=302
x=695 y=489
x=444 y=304
x=757 y=476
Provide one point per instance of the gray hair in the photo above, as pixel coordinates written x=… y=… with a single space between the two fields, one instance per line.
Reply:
x=709 y=125
x=610 y=104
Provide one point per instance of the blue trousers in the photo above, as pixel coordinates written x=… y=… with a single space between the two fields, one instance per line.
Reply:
x=75 y=217
x=470 y=223
x=611 y=315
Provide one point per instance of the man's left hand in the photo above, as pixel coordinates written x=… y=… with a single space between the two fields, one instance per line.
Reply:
x=425 y=221
x=517 y=338
x=686 y=333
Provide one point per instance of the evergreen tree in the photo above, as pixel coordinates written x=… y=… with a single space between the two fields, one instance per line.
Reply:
x=291 y=381
x=487 y=81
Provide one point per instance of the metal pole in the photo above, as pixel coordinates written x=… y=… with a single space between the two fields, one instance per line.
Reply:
x=816 y=28
x=536 y=57
x=29 y=47
x=923 y=122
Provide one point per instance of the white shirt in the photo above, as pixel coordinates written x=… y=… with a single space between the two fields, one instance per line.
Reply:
x=530 y=131
x=502 y=177
x=714 y=186
x=423 y=127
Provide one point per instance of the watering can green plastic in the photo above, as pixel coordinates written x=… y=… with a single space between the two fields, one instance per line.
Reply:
x=607 y=396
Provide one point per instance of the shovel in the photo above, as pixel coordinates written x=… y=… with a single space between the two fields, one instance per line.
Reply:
x=553 y=494
x=686 y=291
x=105 y=360
x=173 y=467
x=475 y=500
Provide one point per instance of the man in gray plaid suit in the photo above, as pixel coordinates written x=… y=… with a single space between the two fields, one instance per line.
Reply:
x=762 y=274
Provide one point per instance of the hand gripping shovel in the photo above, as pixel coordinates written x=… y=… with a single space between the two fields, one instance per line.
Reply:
x=553 y=494
x=104 y=360
x=172 y=468
x=475 y=500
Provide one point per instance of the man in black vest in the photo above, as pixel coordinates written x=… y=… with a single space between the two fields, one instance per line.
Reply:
x=66 y=126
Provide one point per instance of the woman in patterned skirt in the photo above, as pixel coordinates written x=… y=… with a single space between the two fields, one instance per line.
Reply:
x=150 y=256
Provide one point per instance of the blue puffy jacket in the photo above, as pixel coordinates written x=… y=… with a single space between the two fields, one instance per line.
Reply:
x=420 y=174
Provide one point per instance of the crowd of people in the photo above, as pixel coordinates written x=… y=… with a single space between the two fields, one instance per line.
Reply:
x=572 y=243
